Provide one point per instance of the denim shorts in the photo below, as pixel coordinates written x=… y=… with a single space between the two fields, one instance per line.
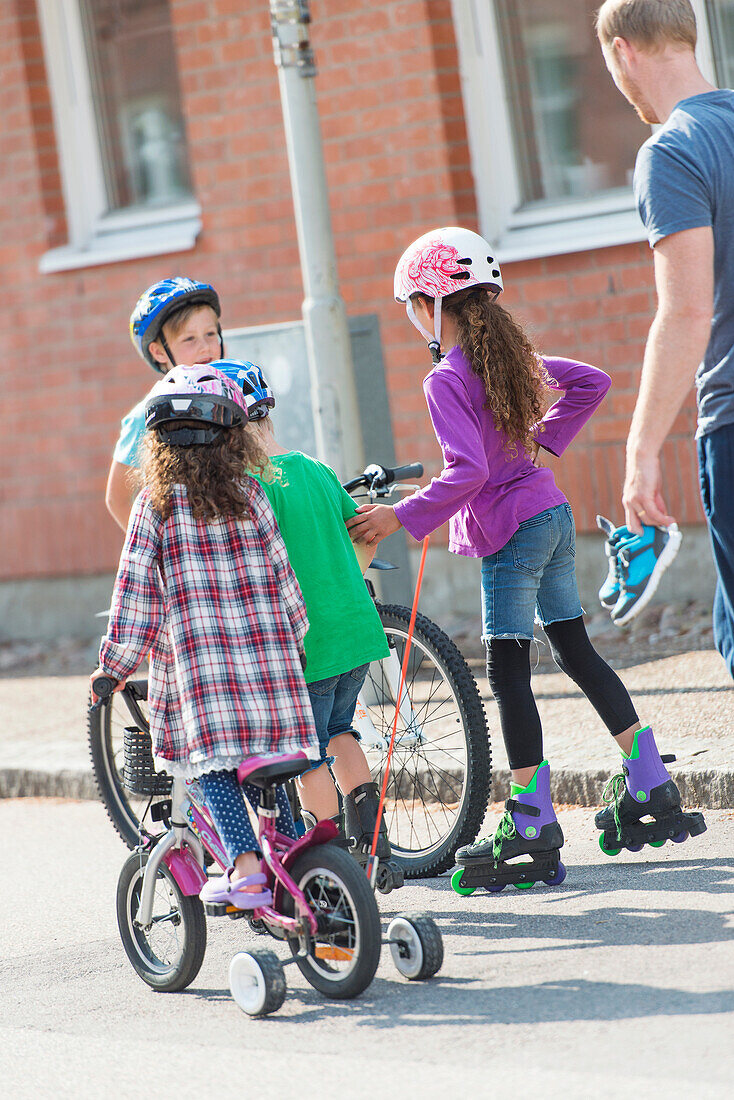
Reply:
x=333 y=702
x=534 y=572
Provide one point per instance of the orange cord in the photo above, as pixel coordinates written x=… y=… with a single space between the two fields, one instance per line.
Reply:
x=371 y=863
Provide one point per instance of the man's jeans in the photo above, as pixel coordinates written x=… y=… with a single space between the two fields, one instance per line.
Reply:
x=716 y=471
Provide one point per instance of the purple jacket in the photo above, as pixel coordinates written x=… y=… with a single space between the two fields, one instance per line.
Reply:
x=485 y=493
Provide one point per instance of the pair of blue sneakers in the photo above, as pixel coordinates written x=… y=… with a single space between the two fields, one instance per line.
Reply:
x=636 y=564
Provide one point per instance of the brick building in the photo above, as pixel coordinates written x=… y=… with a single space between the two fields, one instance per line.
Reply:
x=140 y=138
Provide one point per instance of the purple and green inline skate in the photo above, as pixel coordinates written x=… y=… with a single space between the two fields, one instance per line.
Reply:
x=529 y=827
x=644 y=803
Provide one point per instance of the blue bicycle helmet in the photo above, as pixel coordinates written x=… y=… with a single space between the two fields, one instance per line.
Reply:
x=250 y=379
x=156 y=306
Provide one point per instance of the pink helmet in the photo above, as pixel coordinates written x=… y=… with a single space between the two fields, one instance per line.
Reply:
x=441 y=263
x=199 y=393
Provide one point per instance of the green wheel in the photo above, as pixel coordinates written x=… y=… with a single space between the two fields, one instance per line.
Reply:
x=605 y=850
x=656 y=843
x=523 y=885
x=456 y=878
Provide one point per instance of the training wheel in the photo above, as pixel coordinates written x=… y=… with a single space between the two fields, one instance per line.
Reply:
x=416 y=945
x=605 y=850
x=557 y=879
x=456 y=878
x=257 y=982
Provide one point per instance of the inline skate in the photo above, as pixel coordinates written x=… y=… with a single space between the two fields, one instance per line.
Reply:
x=644 y=802
x=528 y=828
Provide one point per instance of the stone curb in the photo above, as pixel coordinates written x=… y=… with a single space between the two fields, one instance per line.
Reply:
x=28 y=783
x=710 y=790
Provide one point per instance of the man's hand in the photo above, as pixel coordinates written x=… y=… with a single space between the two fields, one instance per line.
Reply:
x=373 y=523
x=642 y=495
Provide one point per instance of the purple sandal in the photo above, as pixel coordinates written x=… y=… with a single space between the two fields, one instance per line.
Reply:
x=222 y=889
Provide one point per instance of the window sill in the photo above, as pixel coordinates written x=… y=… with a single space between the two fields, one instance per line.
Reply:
x=580 y=234
x=128 y=238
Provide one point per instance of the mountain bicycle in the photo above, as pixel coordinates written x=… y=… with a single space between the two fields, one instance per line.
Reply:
x=439 y=786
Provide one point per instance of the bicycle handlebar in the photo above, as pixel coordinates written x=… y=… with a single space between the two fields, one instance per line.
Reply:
x=102 y=687
x=376 y=476
x=412 y=469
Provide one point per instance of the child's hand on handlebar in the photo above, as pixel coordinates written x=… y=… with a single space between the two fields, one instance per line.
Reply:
x=373 y=523
x=100 y=672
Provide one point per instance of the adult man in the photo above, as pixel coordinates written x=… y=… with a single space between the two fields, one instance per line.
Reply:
x=684 y=187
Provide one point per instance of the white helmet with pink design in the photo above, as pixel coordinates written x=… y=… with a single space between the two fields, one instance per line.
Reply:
x=441 y=263
x=201 y=394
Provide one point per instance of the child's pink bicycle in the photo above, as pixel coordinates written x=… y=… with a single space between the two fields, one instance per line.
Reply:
x=323 y=906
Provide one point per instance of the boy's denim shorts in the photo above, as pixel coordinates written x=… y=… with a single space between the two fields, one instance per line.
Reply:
x=333 y=702
x=534 y=572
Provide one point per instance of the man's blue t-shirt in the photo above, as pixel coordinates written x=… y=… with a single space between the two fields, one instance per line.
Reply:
x=132 y=430
x=684 y=179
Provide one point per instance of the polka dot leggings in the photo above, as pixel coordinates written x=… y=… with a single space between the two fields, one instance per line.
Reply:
x=224 y=799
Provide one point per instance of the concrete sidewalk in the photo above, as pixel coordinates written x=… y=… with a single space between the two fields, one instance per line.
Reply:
x=688 y=699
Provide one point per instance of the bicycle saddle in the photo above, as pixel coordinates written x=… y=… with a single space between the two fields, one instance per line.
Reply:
x=261 y=771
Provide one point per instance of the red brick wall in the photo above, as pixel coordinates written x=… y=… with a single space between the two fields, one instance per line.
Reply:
x=397 y=163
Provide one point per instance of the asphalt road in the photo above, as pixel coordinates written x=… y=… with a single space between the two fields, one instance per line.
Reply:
x=620 y=981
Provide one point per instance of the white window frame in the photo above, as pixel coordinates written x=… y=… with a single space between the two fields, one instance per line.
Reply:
x=542 y=229
x=96 y=237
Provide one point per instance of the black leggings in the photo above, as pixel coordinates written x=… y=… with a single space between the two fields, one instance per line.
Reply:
x=508 y=671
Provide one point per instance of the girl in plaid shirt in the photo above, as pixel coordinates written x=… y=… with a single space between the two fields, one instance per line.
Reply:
x=204 y=586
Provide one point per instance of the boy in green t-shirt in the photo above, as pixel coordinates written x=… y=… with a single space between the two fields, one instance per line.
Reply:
x=345 y=633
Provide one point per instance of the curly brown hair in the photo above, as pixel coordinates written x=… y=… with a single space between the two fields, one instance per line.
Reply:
x=513 y=373
x=213 y=474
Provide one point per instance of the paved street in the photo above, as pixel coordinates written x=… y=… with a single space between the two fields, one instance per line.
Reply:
x=620 y=981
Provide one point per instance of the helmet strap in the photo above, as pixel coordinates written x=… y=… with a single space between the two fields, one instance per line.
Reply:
x=162 y=341
x=221 y=341
x=433 y=339
x=188 y=437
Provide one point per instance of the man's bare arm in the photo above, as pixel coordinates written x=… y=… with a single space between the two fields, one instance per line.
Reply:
x=684 y=279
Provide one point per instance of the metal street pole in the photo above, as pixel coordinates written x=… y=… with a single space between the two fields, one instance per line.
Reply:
x=333 y=390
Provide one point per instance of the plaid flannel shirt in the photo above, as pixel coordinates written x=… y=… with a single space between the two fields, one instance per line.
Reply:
x=219 y=606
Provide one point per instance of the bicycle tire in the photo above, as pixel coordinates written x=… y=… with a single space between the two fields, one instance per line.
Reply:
x=182 y=932
x=105 y=727
x=351 y=929
x=425 y=840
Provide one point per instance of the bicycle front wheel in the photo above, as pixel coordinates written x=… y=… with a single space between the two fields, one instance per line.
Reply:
x=440 y=773
x=167 y=955
x=106 y=727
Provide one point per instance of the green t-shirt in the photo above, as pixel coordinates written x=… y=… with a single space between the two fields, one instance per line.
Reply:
x=311 y=506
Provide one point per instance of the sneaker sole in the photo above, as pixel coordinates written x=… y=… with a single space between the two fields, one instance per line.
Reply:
x=671 y=549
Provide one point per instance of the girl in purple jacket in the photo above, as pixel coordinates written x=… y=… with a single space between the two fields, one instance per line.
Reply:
x=485 y=396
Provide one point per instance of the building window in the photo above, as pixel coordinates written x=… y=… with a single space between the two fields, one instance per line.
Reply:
x=553 y=142
x=120 y=130
x=573 y=134
x=140 y=127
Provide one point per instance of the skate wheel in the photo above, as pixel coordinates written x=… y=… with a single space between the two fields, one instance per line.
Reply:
x=680 y=837
x=635 y=847
x=456 y=878
x=557 y=879
x=607 y=851
x=496 y=887
x=523 y=885
x=656 y=843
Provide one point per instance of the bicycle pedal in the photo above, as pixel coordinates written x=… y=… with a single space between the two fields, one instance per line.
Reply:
x=221 y=909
